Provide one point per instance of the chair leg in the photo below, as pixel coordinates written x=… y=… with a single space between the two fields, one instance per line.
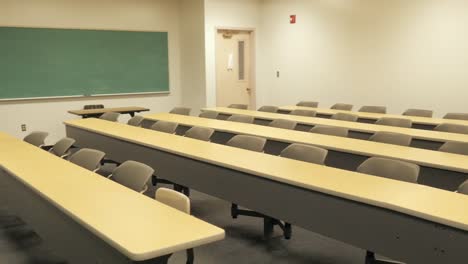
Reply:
x=268 y=226
x=154 y=180
x=234 y=211
x=190 y=256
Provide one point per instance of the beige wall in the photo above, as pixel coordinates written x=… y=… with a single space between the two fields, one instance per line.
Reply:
x=396 y=53
x=192 y=39
x=157 y=15
x=224 y=14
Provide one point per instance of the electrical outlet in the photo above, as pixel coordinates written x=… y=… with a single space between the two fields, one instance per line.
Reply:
x=23 y=127
x=277 y=74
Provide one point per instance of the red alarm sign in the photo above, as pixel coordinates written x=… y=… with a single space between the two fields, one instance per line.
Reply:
x=292 y=19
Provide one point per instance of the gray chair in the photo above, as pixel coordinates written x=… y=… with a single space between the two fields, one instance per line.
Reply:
x=257 y=144
x=455 y=148
x=96 y=106
x=456 y=116
x=452 y=128
x=247 y=142
x=299 y=152
x=345 y=117
x=181 y=111
x=62 y=147
x=178 y=201
x=110 y=116
x=283 y=123
x=135 y=121
x=418 y=112
x=305 y=153
x=308 y=104
x=331 y=131
x=36 y=138
x=239 y=106
x=88 y=158
x=396 y=122
x=391 y=138
x=301 y=112
x=463 y=189
x=165 y=127
x=132 y=174
x=200 y=133
x=209 y=114
x=241 y=119
x=373 y=109
x=268 y=109
x=344 y=107
x=391 y=169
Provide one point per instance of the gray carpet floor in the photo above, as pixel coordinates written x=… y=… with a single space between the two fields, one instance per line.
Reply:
x=244 y=241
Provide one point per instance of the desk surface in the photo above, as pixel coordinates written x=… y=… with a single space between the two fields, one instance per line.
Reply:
x=428 y=203
x=376 y=116
x=428 y=158
x=82 y=112
x=136 y=225
x=354 y=126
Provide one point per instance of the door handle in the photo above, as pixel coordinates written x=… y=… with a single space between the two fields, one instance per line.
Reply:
x=248 y=89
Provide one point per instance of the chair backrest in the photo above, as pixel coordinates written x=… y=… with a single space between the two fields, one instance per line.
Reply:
x=345 y=117
x=456 y=116
x=181 y=111
x=308 y=104
x=173 y=199
x=345 y=107
x=455 y=147
x=239 y=106
x=110 y=116
x=36 y=138
x=241 y=119
x=331 y=131
x=418 y=112
x=96 y=106
x=463 y=189
x=200 y=133
x=88 y=158
x=452 y=128
x=391 y=138
x=165 y=126
x=62 y=147
x=396 y=122
x=391 y=169
x=301 y=112
x=373 y=109
x=283 y=123
x=305 y=153
x=132 y=174
x=252 y=143
x=269 y=109
x=135 y=121
x=209 y=114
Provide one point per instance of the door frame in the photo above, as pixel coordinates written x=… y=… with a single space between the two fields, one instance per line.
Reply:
x=253 y=62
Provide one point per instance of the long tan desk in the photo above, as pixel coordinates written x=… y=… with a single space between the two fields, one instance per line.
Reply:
x=87 y=113
x=421 y=138
x=408 y=222
x=452 y=168
x=428 y=122
x=88 y=218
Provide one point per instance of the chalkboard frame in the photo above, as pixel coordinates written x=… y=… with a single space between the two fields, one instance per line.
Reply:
x=91 y=96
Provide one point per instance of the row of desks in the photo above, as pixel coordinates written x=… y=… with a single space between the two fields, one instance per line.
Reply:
x=422 y=122
x=421 y=138
x=87 y=218
x=439 y=169
x=405 y=221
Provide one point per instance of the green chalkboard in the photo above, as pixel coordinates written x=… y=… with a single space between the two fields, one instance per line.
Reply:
x=40 y=62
